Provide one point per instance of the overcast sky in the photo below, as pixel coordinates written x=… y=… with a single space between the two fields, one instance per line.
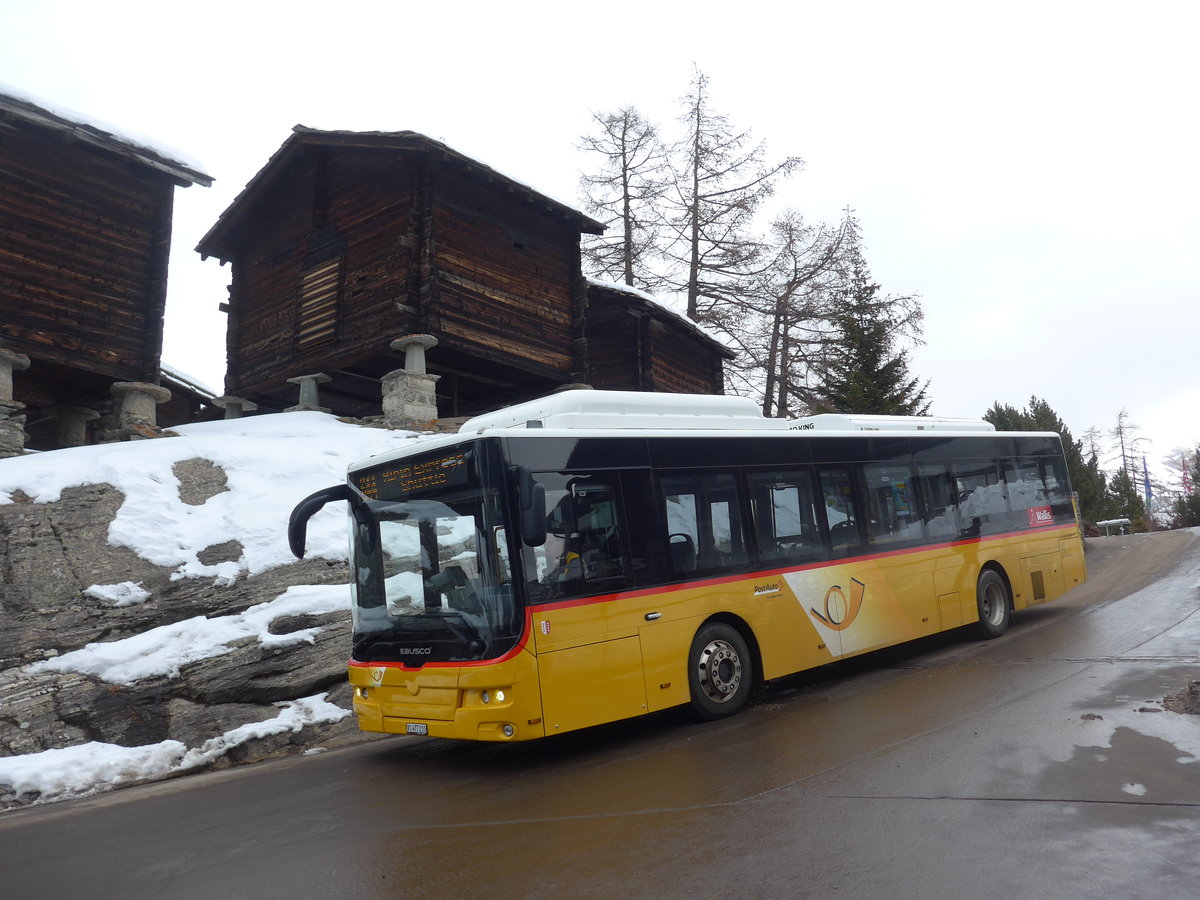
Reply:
x=1029 y=169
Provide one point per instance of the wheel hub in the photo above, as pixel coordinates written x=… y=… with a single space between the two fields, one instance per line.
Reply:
x=720 y=670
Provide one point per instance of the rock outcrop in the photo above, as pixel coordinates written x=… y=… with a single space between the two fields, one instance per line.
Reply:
x=52 y=553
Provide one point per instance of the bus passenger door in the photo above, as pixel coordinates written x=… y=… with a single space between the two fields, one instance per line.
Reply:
x=894 y=522
x=589 y=684
x=588 y=648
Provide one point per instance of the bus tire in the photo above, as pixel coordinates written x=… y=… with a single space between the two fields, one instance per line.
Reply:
x=720 y=671
x=994 y=603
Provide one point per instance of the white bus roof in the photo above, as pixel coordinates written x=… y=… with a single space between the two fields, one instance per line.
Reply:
x=856 y=422
x=605 y=410
x=627 y=409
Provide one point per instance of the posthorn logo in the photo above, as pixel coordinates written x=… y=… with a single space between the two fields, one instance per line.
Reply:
x=839 y=611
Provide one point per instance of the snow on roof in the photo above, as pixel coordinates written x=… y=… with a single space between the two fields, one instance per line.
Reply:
x=411 y=140
x=662 y=305
x=171 y=374
x=93 y=131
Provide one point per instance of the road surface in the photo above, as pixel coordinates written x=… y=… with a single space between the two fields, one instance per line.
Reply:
x=1039 y=765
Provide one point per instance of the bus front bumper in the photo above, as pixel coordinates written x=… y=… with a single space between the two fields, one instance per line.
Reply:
x=496 y=702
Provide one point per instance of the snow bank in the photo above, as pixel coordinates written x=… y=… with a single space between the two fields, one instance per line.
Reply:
x=164 y=650
x=127 y=593
x=271 y=462
x=95 y=767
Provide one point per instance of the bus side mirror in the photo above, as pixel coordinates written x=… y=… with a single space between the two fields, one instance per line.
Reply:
x=532 y=495
x=306 y=509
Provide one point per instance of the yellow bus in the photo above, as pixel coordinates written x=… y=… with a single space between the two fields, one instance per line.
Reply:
x=597 y=555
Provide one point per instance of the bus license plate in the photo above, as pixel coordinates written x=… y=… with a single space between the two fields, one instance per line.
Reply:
x=416 y=728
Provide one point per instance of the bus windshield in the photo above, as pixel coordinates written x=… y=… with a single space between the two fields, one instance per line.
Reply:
x=433 y=579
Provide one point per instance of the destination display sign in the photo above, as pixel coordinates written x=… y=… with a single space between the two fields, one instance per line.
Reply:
x=411 y=478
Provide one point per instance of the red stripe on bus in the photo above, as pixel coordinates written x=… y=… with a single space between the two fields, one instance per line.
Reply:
x=692 y=585
x=748 y=576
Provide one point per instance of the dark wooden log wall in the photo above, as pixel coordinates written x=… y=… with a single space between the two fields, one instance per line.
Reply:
x=368 y=201
x=634 y=346
x=425 y=250
x=682 y=362
x=615 y=360
x=430 y=243
x=84 y=242
x=503 y=279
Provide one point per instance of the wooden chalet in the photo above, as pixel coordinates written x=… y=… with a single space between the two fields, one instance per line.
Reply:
x=85 y=233
x=346 y=241
x=637 y=344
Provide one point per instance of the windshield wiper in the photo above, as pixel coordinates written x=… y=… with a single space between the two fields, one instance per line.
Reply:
x=476 y=644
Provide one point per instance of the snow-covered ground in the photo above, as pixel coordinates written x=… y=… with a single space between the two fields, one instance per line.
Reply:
x=271 y=462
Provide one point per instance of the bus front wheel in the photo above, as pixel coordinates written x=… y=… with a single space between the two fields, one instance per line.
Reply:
x=995 y=607
x=720 y=671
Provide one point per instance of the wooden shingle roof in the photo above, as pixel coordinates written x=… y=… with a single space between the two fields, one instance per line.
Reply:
x=215 y=242
x=77 y=128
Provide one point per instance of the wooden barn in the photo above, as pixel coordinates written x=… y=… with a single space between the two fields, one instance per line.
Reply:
x=637 y=344
x=346 y=241
x=85 y=233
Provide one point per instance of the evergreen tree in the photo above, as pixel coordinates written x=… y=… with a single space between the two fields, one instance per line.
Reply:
x=1008 y=418
x=1087 y=479
x=1128 y=500
x=1186 y=505
x=861 y=370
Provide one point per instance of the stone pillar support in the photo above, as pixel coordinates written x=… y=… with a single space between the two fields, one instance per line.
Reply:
x=10 y=360
x=70 y=424
x=410 y=394
x=310 y=400
x=414 y=347
x=12 y=429
x=138 y=417
x=235 y=407
x=409 y=398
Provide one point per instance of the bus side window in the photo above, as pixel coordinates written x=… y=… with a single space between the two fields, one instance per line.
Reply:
x=785 y=515
x=982 y=499
x=704 y=523
x=1054 y=477
x=643 y=529
x=841 y=511
x=584 y=551
x=891 y=505
x=939 y=499
x=1026 y=492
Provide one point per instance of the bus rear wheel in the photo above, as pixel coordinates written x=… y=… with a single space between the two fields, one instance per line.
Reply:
x=995 y=606
x=720 y=671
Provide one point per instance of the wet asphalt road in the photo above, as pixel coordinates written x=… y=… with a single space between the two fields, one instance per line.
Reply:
x=1039 y=765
